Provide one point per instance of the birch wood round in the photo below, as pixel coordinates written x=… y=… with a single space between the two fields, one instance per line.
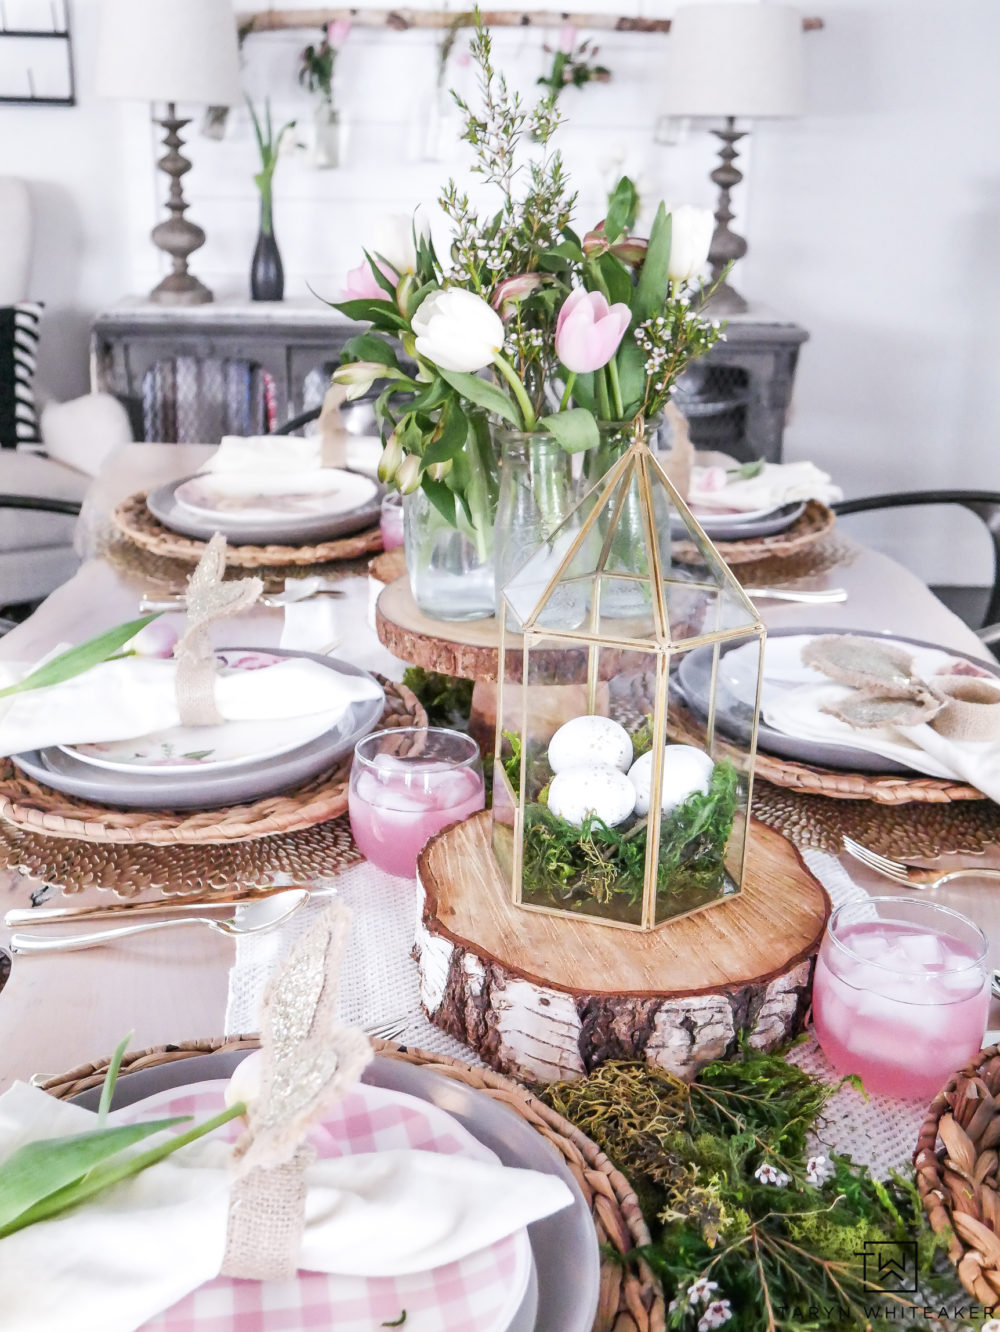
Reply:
x=547 y=998
x=631 y=1299
x=135 y=522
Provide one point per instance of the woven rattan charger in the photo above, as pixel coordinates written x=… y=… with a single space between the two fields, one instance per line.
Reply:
x=959 y=1183
x=812 y=525
x=35 y=808
x=135 y=522
x=630 y=1299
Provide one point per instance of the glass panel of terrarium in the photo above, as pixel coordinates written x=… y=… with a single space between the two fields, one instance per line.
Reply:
x=623 y=610
x=719 y=684
x=696 y=610
x=548 y=584
x=579 y=801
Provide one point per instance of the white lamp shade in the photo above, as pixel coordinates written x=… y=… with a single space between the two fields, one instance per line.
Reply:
x=734 y=60
x=169 y=51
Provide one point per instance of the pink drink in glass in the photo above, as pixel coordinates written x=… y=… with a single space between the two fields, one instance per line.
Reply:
x=391 y=521
x=397 y=802
x=901 y=994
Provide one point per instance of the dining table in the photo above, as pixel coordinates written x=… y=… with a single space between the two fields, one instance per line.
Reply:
x=58 y=1011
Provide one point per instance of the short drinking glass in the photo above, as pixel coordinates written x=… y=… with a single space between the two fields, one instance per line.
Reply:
x=901 y=993
x=391 y=521
x=407 y=784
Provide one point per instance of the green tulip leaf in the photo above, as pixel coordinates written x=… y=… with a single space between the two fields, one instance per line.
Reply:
x=617 y=279
x=622 y=208
x=483 y=394
x=436 y=393
x=79 y=659
x=387 y=286
x=369 y=347
x=653 y=277
x=110 y=1078
x=631 y=375
x=451 y=440
x=376 y=312
x=575 y=430
x=40 y=1169
x=441 y=497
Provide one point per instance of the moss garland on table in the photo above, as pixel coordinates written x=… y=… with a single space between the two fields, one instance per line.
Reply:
x=756 y=1230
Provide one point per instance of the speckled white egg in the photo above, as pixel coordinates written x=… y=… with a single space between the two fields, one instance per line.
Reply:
x=590 y=740
x=591 y=790
x=685 y=770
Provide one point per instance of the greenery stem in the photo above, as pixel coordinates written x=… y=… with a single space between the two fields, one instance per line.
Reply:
x=601 y=387
x=568 y=390
x=523 y=401
x=616 y=391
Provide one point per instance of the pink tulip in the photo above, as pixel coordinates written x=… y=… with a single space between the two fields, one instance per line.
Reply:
x=361 y=284
x=588 y=330
x=338 y=32
x=567 y=39
x=514 y=289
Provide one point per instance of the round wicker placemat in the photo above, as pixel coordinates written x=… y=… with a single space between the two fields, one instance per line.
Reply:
x=835 y=785
x=35 y=808
x=171 y=576
x=814 y=523
x=631 y=1299
x=815 y=822
x=958 y=1184
x=198 y=871
x=134 y=521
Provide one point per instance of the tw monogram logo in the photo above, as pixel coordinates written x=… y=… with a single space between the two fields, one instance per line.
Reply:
x=890 y=1265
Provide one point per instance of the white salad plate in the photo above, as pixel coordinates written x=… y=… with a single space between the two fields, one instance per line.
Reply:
x=260 y=508
x=744 y=526
x=195 y=785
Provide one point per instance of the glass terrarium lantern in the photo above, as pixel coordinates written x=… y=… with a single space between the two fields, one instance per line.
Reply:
x=626 y=711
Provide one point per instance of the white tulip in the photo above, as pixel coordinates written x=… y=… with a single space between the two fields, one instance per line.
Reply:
x=691 y=232
x=392 y=238
x=457 y=330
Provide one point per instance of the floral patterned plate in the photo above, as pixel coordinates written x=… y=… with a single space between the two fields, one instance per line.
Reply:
x=209 y=748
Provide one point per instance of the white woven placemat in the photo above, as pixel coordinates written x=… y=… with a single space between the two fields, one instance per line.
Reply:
x=379 y=984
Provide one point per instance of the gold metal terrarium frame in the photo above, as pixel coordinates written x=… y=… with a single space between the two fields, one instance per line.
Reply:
x=574 y=571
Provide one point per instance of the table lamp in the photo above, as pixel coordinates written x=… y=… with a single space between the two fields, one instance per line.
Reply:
x=726 y=61
x=171 y=51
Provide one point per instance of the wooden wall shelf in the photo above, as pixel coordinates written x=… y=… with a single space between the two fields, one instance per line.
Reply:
x=402 y=20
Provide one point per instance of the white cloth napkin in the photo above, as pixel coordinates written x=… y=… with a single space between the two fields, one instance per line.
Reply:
x=266 y=453
x=139 y=1248
x=794 y=696
x=714 y=489
x=121 y=700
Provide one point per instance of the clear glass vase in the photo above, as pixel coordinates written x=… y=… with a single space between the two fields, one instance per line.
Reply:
x=450 y=568
x=625 y=599
x=329 y=132
x=537 y=494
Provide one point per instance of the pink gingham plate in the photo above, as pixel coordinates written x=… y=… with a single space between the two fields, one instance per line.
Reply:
x=482 y=1292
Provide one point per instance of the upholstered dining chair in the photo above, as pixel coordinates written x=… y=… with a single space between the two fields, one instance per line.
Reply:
x=41 y=483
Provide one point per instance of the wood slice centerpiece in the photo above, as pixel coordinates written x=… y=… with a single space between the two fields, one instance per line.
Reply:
x=546 y=998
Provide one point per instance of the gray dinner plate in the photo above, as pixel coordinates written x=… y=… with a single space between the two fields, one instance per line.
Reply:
x=163 y=505
x=186 y=788
x=733 y=717
x=564 y=1246
x=726 y=527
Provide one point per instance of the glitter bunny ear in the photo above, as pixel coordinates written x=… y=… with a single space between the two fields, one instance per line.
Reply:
x=208 y=599
x=308 y=1061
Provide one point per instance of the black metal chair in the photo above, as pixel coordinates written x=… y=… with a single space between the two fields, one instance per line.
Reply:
x=985 y=504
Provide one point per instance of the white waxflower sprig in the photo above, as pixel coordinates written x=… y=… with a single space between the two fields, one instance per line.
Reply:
x=819 y=1169
x=769 y=1174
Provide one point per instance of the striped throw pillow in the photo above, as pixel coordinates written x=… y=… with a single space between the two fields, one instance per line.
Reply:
x=18 y=355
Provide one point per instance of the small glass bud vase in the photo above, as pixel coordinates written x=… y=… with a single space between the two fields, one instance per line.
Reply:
x=329 y=136
x=623 y=772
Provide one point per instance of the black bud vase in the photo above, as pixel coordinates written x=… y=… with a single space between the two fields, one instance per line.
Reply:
x=267 y=277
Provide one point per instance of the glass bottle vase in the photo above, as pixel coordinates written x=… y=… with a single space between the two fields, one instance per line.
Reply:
x=450 y=568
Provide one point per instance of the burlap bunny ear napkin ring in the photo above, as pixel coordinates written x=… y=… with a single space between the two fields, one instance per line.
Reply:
x=887 y=691
x=208 y=599
x=308 y=1061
